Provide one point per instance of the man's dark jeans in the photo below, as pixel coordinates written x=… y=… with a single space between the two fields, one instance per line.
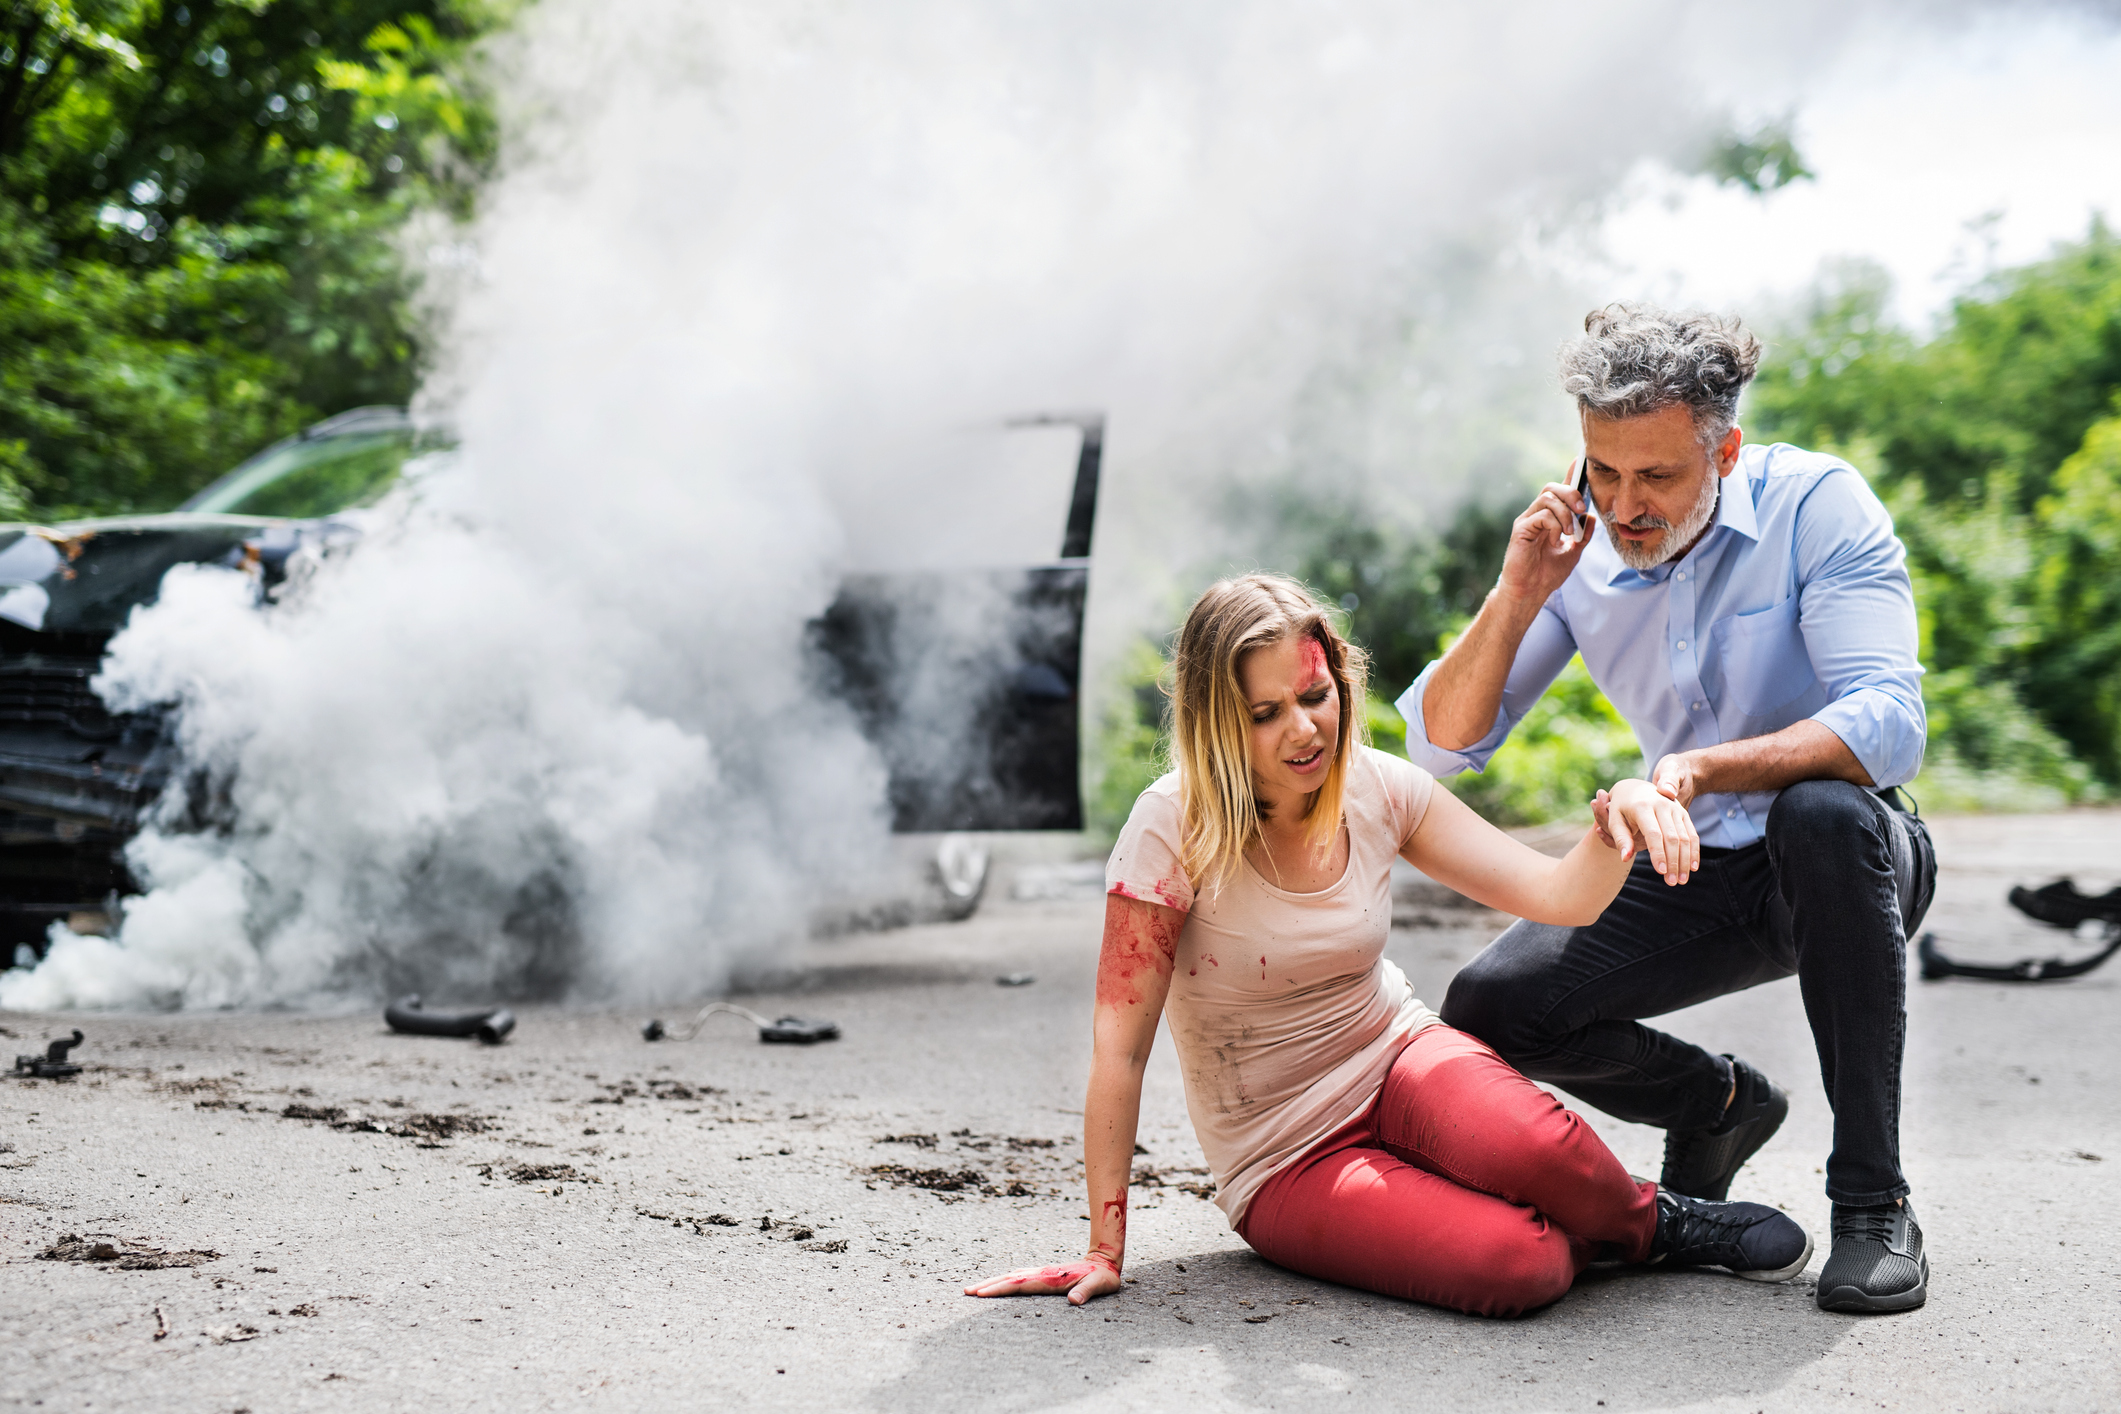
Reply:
x=1830 y=894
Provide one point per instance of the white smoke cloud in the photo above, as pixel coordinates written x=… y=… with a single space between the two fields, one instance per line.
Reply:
x=547 y=729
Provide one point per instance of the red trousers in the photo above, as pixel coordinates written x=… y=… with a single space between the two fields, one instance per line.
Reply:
x=1465 y=1185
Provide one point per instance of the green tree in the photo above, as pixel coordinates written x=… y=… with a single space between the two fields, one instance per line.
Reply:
x=199 y=210
x=1993 y=444
x=2074 y=664
x=2029 y=360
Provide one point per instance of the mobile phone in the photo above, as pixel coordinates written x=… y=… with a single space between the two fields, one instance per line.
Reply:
x=1580 y=483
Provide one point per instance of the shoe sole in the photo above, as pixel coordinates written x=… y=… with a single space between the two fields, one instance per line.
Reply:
x=1778 y=1111
x=1858 y=1302
x=1785 y=1273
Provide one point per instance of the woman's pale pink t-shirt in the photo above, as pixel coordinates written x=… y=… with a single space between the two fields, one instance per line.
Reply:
x=1284 y=1010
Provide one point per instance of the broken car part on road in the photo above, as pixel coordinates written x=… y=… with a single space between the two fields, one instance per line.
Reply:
x=1936 y=966
x=489 y=1024
x=2059 y=905
x=786 y=1030
x=53 y=1064
x=2062 y=906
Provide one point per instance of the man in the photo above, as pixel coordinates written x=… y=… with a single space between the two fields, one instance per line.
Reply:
x=1748 y=610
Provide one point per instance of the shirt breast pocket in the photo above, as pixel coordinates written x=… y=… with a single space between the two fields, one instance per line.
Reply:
x=1763 y=659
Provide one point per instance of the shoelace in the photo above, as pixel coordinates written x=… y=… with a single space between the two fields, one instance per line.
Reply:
x=1703 y=1227
x=1715 y=1230
x=1870 y=1224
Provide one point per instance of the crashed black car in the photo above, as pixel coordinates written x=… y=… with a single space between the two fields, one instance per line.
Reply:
x=77 y=779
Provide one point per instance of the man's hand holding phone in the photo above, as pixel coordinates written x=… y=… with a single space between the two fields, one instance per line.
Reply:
x=1548 y=539
x=1580 y=485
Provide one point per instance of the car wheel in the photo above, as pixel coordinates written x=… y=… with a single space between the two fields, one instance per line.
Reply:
x=960 y=871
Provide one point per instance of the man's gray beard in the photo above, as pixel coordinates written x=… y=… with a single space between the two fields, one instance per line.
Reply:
x=1638 y=556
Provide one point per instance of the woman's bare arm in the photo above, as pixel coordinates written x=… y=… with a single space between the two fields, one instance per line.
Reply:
x=1460 y=850
x=1133 y=977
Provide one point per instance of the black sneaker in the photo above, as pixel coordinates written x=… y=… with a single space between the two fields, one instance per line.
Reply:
x=1702 y=1162
x=1877 y=1263
x=1750 y=1240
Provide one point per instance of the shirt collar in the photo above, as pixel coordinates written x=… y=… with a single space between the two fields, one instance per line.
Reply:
x=1734 y=511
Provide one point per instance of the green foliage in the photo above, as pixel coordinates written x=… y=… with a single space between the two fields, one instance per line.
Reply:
x=1989 y=752
x=1760 y=161
x=2073 y=668
x=1570 y=744
x=1128 y=752
x=2030 y=359
x=1997 y=450
x=1388 y=730
x=199 y=212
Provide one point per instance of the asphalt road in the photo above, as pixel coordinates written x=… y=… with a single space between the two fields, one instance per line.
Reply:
x=582 y=1220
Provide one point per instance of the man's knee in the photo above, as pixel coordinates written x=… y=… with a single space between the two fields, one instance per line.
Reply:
x=1496 y=997
x=1829 y=818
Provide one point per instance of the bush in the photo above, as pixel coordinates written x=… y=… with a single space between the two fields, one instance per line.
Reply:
x=1128 y=750
x=2073 y=666
x=1570 y=744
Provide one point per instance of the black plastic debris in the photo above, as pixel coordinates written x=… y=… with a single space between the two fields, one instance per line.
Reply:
x=53 y=1064
x=2059 y=905
x=786 y=1030
x=1015 y=979
x=1936 y=966
x=489 y=1024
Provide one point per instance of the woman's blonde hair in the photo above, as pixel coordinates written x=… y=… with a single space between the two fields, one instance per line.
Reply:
x=1211 y=723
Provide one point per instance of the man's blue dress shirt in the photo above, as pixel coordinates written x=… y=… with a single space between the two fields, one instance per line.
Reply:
x=1795 y=604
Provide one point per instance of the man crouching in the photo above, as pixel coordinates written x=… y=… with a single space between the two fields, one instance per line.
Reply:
x=1748 y=610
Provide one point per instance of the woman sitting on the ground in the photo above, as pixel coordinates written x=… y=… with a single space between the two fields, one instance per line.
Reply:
x=1353 y=1136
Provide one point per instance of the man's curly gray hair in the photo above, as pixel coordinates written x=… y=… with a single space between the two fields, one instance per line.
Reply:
x=1637 y=358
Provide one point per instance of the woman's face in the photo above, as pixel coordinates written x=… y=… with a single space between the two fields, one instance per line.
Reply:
x=1295 y=711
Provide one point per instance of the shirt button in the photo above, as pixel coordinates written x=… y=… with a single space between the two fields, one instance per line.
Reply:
x=1731 y=814
x=1681 y=575
x=1697 y=706
x=1682 y=645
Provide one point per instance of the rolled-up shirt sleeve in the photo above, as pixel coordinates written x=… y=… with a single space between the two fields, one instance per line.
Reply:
x=1547 y=647
x=1857 y=613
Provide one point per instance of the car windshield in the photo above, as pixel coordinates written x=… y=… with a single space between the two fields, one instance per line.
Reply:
x=311 y=476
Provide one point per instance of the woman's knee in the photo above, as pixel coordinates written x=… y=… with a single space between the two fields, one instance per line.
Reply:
x=1519 y=1269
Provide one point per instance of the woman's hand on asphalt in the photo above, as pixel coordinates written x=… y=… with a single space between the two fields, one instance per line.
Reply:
x=1092 y=1276
x=1636 y=815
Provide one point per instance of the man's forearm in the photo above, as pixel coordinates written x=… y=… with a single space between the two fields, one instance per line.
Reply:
x=1459 y=706
x=1802 y=751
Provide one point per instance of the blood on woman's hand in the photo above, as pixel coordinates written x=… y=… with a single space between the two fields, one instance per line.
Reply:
x=1093 y=1276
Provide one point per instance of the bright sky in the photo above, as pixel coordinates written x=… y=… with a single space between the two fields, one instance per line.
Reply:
x=1937 y=158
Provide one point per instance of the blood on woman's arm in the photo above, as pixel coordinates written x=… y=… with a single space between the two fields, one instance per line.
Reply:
x=1110 y=1232
x=1140 y=942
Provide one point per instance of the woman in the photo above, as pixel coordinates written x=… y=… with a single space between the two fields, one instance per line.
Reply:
x=1353 y=1136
